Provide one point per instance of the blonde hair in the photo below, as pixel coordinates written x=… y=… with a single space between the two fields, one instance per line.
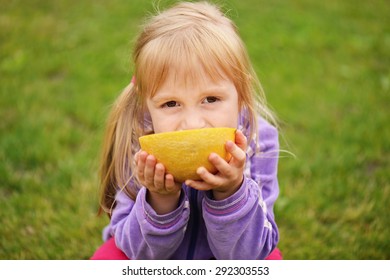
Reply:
x=178 y=37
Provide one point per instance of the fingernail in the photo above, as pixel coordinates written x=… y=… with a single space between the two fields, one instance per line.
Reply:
x=212 y=156
x=200 y=170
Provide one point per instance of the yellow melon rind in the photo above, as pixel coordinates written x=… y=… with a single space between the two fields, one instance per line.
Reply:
x=183 y=152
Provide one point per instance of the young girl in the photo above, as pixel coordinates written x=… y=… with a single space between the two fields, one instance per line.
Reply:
x=191 y=71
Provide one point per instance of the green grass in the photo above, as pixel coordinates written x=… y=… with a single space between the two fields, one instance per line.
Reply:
x=324 y=66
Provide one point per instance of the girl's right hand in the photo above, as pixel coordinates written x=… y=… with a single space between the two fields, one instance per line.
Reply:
x=163 y=191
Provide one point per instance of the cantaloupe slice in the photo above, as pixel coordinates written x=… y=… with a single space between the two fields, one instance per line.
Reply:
x=182 y=152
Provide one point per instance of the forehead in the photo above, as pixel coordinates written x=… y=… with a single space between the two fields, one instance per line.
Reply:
x=190 y=73
x=194 y=74
x=195 y=91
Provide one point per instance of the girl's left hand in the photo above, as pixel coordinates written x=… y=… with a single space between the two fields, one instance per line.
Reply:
x=230 y=174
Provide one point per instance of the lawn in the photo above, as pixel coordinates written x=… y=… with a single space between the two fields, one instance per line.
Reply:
x=325 y=69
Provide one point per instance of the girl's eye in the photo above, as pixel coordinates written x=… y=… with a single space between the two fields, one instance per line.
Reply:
x=170 y=104
x=210 y=99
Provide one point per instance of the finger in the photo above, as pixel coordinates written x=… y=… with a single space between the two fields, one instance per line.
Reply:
x=220 y=164
x=141 y=166
x=237 y=153
x=241 y=140
x=170 y=184
x=159 y=178
x=136 y=155
x=198 y=185
x=149 y=169
x=209 y=178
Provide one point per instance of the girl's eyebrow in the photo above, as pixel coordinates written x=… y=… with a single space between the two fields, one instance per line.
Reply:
x=160 y=97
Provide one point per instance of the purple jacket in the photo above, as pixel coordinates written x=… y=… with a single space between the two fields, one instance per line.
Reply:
x=239 y=227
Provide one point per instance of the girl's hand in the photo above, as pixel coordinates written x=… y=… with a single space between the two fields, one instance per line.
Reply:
x=163 y=193
x=230 y=174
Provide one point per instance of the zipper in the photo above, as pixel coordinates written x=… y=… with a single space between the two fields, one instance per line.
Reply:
x=195 y=223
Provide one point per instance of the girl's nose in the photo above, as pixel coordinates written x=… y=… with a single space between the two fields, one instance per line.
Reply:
x=193 y=120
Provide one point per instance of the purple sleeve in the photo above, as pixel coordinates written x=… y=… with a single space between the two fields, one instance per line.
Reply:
x=142 y=234
x=243 y=225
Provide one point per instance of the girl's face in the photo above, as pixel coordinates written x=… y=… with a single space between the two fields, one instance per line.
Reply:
x=181 y=104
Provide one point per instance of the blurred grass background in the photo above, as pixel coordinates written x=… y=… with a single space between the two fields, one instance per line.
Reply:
x=325 y=69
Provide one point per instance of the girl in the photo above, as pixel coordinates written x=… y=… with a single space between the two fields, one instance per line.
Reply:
x=191 y=71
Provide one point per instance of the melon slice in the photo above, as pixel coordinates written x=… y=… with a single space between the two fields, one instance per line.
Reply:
x=182 y=152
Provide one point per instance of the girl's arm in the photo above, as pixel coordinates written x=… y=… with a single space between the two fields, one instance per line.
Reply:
x=143 y=234
x=242 y=226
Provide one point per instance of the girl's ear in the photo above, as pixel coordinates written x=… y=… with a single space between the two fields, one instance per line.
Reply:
x=133 y=80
